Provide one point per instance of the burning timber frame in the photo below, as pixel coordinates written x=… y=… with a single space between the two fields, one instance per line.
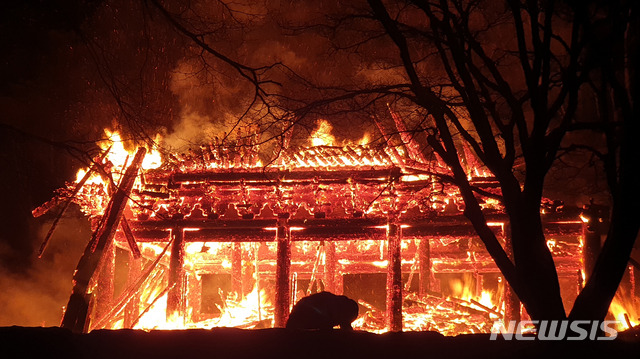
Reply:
x=324 y=194
x=357 y=194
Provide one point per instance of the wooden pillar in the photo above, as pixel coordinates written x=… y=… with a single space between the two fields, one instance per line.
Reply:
x=236 y=269
x=511 y=300
x=175 y=296
x=105 y=286
x=593 y=228
x=424 y=266
x=591 y=245
x=330 y=261
x=132 y=310
x=339 y=283
x=249 y=274
x=283 y=272
x=394 y=277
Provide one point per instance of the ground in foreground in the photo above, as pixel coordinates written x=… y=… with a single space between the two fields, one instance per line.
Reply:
x=23 y=342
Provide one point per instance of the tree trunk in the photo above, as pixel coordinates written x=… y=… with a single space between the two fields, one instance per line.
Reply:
x=535 y=267
x=594 y=300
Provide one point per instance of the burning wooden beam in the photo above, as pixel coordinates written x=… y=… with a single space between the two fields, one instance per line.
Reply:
x=394 y=277
x=105 y=286
x=267 y=178
x=131 y=240
x=424 y=266
x=134 y=286
x=236 y=269
x=75 y=316
x=175 y=296
x=132 y=309
x=408 y=138
x=283 y=273
x=330 y=267
x=592 y=230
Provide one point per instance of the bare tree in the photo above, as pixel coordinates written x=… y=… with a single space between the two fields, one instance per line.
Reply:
x=529 y=121
x=613 y=52
x=504 y=79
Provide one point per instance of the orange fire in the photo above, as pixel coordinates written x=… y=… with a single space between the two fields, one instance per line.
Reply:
x=465 y=310
x=322 y=136
x=118 y=157
x=625 y=310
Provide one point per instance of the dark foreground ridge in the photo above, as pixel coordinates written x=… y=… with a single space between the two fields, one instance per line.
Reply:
x=24 y=342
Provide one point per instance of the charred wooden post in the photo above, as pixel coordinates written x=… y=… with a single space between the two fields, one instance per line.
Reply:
x=592 y=231
x=190 y=287
x=75 y=316
x=394 y=277
x=131 y=240
x=283 y=272
x=408 y=138
x=105 y=285
x=132 y=310
x=591 y=248
x=424 y=266
x=175 y=296
x=330 y=261
x=236 y=269
x=511 y=300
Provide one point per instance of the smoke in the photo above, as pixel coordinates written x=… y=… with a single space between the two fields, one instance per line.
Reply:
x=36 y=296
x=193 y=129
x=210 y=104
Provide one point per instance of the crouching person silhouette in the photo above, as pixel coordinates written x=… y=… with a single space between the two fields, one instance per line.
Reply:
x=323 y=310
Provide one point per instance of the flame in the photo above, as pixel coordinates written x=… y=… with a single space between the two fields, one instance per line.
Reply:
x=117 y=158
x=322 y=136
x=486 y=299
x=118 y=155
x=94 y=178
x=365 y=140
x=251 y=310
x=623 y=310
x=415 y=178
x=156 y=317
x=255 y=307
x=153 y=158
x=551 y=244
x=461 y=289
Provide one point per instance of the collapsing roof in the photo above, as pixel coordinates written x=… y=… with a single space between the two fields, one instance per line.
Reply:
x=337 y=196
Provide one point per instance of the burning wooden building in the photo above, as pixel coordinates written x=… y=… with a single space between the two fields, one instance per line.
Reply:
x=216 y=238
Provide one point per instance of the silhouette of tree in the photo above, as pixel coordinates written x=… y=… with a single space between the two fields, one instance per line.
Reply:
x=503 y=79
x=613 y=53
